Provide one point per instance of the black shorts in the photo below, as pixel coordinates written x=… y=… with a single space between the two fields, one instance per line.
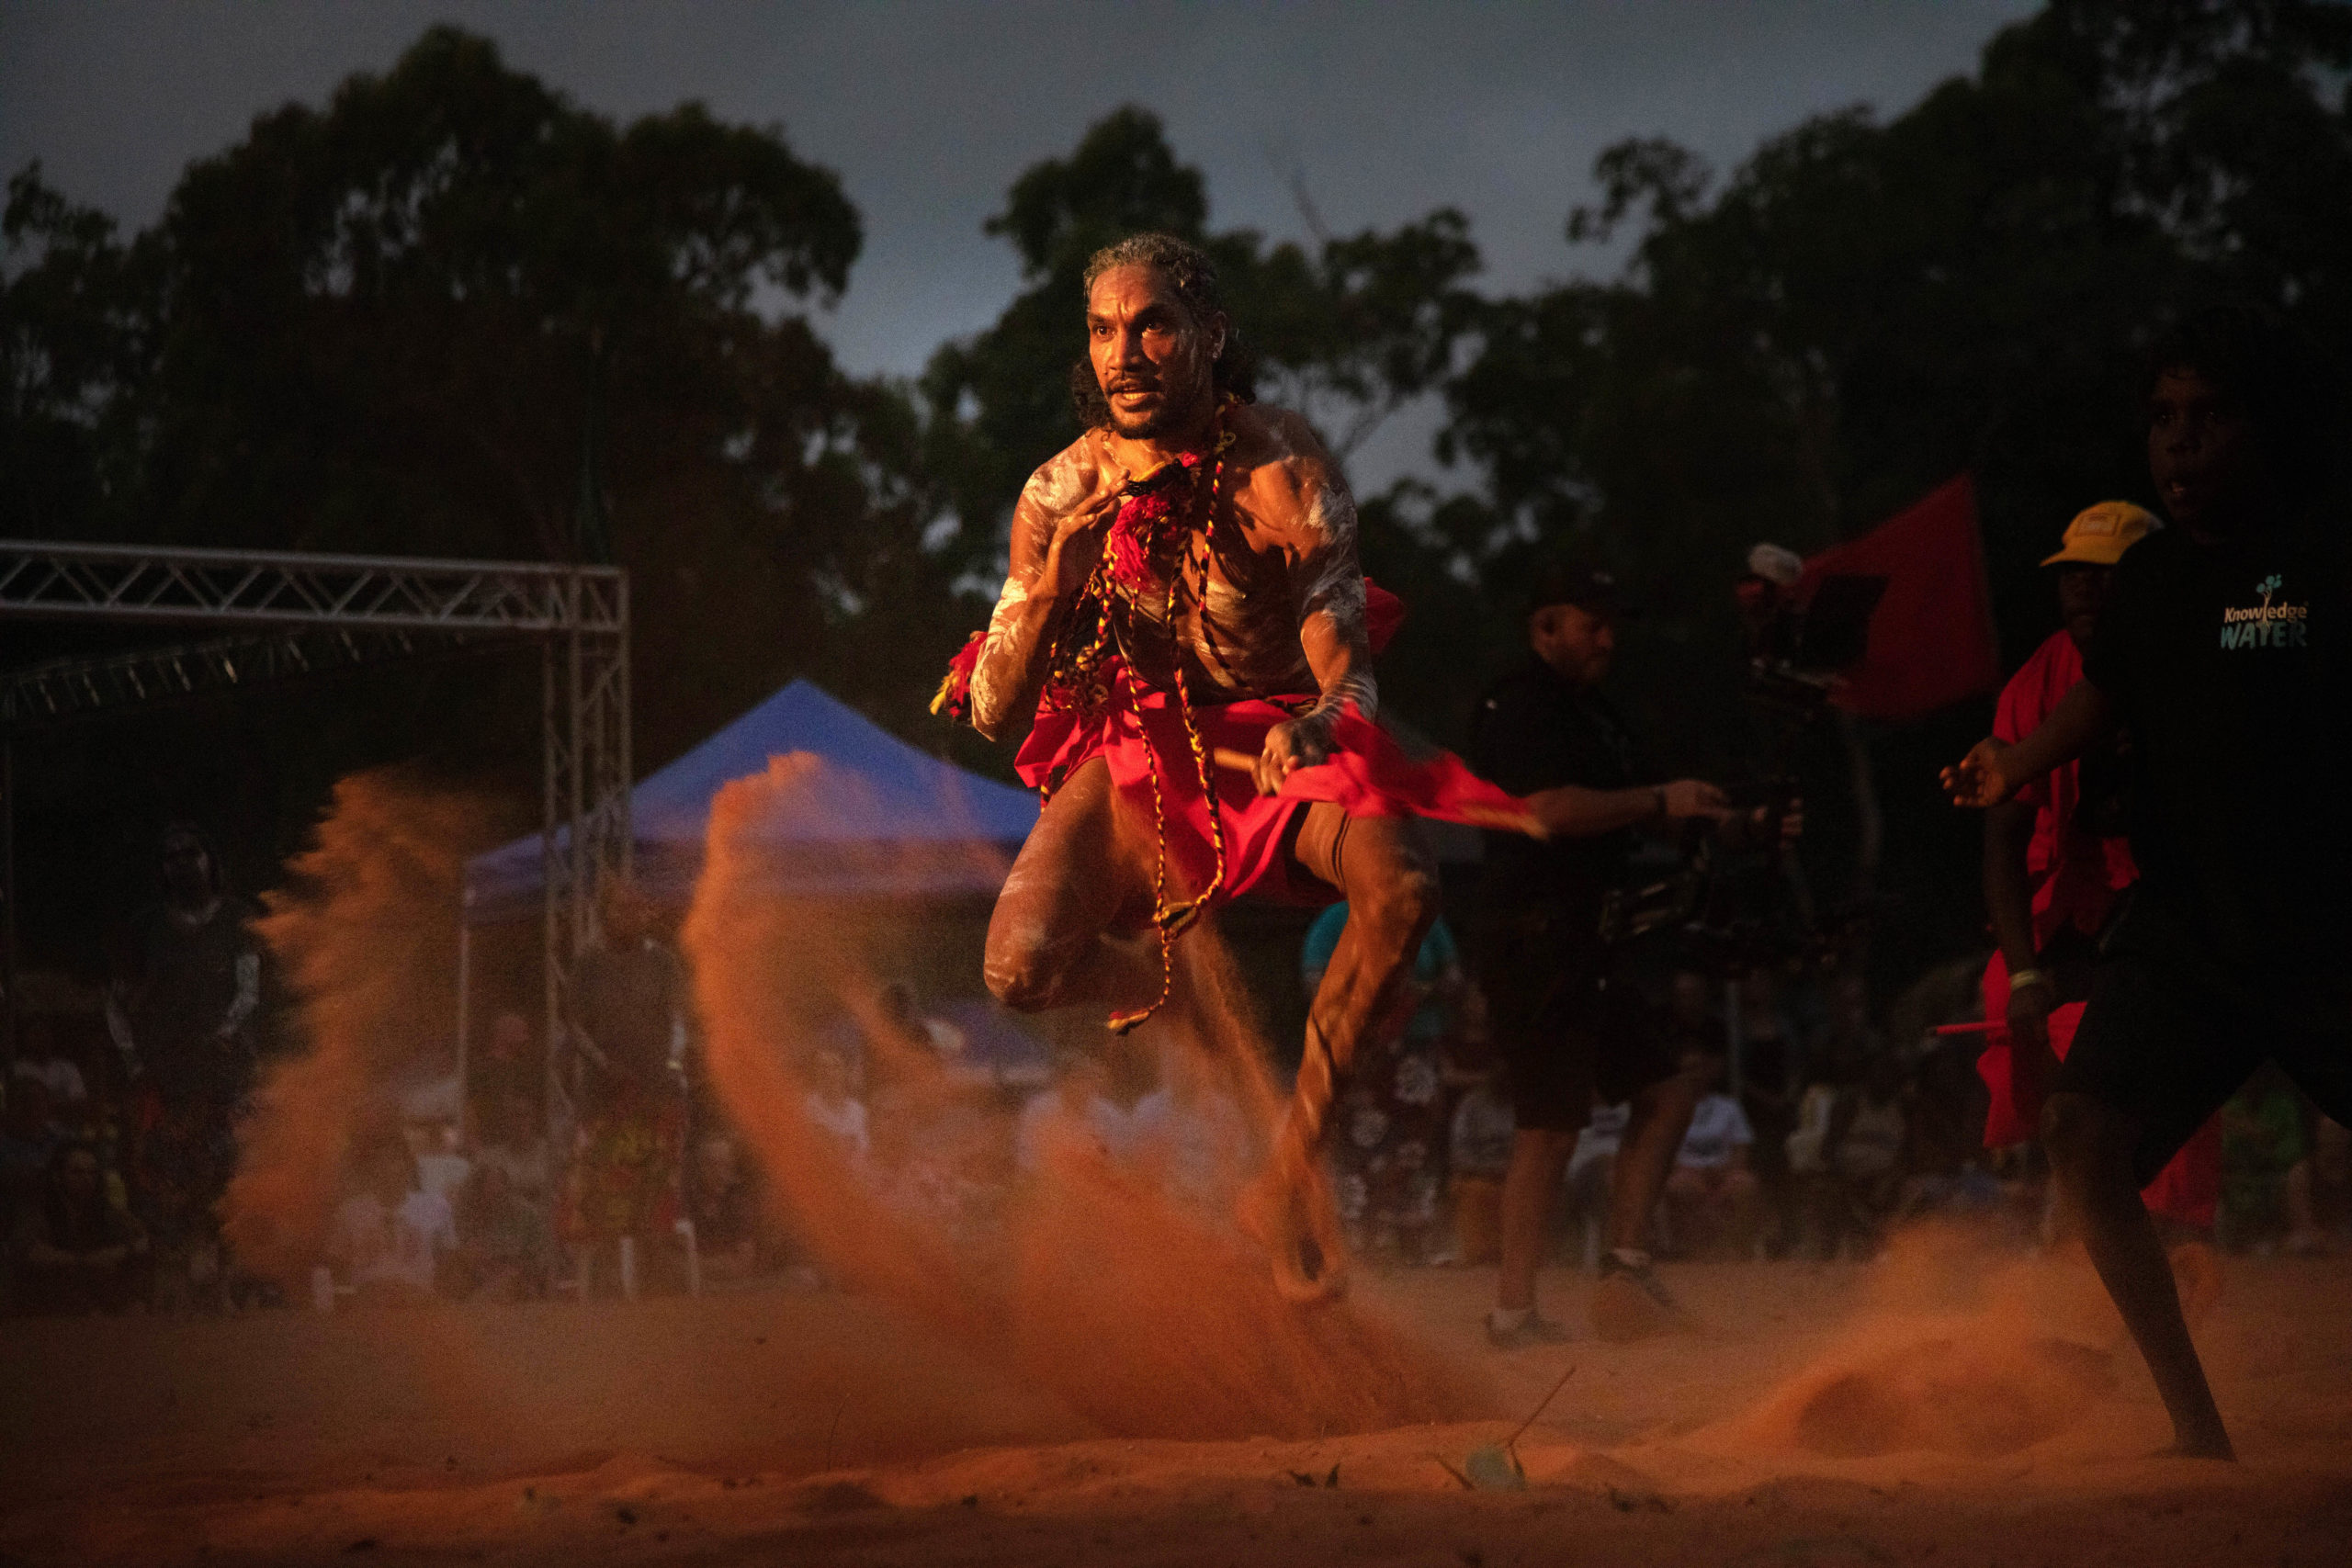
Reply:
x=2167 y=1040
x=1572 y=1031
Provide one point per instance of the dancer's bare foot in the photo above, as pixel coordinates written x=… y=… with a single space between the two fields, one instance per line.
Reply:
x=1300 y=1234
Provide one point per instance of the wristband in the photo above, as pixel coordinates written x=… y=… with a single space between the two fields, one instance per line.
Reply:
x=2024 y=977
x=1657 y=803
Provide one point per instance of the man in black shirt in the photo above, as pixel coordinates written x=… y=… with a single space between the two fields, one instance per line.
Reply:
x=2224 y=650
x=1567 y=1020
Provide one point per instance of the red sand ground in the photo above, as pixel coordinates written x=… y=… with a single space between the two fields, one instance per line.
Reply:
x=778 y=1427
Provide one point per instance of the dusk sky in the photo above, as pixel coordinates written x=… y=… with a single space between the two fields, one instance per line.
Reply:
x=928 y=111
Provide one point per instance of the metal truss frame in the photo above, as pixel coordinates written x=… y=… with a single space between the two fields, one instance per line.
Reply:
x=298 y=614
x=282 y=588
x=68 y=688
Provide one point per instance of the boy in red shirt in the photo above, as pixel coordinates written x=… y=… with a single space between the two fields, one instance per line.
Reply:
x=2056 y=860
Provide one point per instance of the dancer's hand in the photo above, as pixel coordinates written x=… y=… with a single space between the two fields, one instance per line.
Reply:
x=1077 y=546
x=1291 y=745
x=1979 y=779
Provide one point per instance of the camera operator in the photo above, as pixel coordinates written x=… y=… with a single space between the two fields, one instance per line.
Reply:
x=1566 y=1017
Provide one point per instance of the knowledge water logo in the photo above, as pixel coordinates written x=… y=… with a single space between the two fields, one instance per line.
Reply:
x=2266 y=625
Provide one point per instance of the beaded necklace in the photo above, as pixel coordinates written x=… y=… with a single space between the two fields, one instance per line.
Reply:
x=1080 y=668
x=1154 y=517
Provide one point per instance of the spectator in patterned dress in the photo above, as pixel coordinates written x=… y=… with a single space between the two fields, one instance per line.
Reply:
x=1389 y=1129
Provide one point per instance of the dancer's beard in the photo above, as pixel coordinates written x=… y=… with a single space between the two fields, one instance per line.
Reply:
x=1171 y=417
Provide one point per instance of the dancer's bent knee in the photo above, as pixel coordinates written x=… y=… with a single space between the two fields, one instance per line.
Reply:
x=1031 y=972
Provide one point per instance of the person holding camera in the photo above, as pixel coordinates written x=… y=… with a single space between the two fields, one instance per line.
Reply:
x=1566 y=1016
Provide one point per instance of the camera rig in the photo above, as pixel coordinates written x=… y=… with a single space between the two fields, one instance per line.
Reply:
x=1736 y=907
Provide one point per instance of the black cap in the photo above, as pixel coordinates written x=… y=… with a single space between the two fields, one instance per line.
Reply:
x=1581 y=583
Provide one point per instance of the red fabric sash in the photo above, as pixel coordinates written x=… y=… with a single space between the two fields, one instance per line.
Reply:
x=1370 y=775
x=1367 y=775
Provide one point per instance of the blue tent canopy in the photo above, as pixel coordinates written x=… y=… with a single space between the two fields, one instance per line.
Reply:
x=896 y=821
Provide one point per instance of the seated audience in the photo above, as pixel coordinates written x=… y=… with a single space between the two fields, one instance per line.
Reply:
x=1859 y=1182
x=726 y=1205
x=834 y=1107
x=41 y=1054
x=73 y=1251
x=1589 y=1169
x=905 y=1025
x=507 y=1242
x=1848 y=1034
x=503 y=1251
x=1695 y=1019
x=1712 y=1195
x=508 y=1064
x=1076 y=1107
x=2262 y=1141
x=1480 y=1145
x=512 y=1136
x=442 y=1167
x=1773 y=1074
x=28 y=1141
x=390 y=1235
x=1202 y=1136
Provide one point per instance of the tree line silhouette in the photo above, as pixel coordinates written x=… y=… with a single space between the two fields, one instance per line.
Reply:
x=451 y=312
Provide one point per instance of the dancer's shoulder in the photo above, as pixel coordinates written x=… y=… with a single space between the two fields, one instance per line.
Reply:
x=1269 y=438
x=1292 y=483
x=1070 y=478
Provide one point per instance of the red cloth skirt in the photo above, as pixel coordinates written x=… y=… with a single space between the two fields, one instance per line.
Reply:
x=1140 y=734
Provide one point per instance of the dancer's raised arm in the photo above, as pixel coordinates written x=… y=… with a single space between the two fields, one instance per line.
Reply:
x=1058 y=528
x=1320 y=538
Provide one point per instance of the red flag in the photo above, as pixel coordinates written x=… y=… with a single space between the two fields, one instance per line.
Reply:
x=1931 y=637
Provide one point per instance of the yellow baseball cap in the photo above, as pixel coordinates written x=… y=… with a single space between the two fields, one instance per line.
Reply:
x=2099 y=534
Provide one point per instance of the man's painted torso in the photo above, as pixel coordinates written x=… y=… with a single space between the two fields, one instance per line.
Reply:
x=1281 y=549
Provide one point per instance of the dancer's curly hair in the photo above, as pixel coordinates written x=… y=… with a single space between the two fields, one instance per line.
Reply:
x=1194 y=275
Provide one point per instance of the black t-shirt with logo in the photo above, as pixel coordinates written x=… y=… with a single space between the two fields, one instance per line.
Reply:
x=2228 y=663
x=1534 y=730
